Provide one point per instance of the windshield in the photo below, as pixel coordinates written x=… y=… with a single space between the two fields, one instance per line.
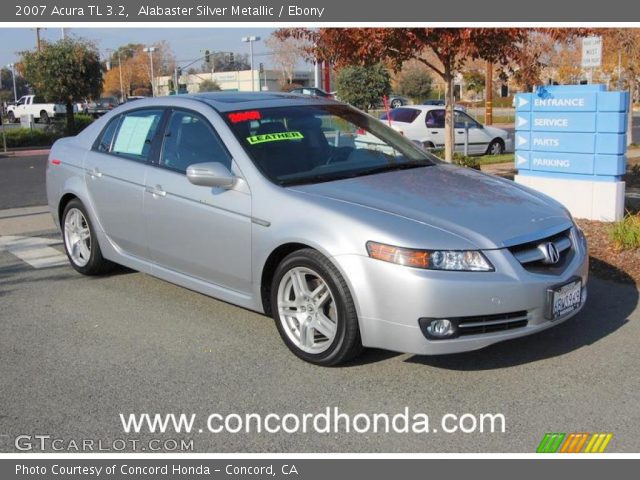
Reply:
x=309 y=144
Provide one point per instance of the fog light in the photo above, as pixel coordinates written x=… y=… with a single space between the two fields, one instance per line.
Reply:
x=438 y=328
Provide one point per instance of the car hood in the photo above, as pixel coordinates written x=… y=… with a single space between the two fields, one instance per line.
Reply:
x=488 y=211
x=496 y=132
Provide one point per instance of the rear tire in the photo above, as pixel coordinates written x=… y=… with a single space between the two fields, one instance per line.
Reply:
x=80 y=242
x=313 y=309
x=396 y=103
x=44 y=118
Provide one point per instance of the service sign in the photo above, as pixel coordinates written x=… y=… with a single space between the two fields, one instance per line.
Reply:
x=578 y=130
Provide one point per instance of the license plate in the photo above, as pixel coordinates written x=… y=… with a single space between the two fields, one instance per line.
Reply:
x=564 y=299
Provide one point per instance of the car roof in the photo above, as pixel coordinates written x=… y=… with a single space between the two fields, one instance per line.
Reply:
x=425 y=107
x=232 y=101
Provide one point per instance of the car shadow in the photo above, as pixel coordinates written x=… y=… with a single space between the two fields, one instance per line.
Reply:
x=607 y=310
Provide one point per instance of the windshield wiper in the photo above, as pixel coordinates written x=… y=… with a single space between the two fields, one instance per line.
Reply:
x=329 y=177
x=391 y=167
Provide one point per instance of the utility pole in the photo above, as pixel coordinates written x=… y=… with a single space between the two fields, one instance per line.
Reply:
x=488 y=100
x=12 y=66
x=120 y=73
x=38 y=44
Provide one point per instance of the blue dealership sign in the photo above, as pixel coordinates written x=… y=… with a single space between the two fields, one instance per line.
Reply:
x=571 y=130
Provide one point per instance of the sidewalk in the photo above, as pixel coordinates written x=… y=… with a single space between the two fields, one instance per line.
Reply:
x=24 y=153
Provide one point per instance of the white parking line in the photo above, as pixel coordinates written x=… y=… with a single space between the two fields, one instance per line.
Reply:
x=35 y=251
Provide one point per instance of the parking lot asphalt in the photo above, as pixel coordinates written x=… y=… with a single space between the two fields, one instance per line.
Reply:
x=75 y=352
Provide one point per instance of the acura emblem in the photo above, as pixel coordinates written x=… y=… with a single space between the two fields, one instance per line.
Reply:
x=550 y=253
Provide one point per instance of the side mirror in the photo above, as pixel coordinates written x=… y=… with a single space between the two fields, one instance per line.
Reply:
x=210 y=174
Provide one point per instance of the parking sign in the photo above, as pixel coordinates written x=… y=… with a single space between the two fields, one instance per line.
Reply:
x=591 y=52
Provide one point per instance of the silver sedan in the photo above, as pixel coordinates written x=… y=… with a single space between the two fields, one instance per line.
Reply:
x=310 y=211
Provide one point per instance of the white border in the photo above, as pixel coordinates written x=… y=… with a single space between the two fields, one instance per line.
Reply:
x=325 y=455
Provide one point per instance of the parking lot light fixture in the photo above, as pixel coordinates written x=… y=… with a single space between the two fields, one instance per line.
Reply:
x=150 y=51
x=250 y=41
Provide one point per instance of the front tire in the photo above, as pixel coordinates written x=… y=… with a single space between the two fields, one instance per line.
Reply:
x=496 y=147
x=80 y=243
x=11 y=117
x=313 y=309
x=396 y=103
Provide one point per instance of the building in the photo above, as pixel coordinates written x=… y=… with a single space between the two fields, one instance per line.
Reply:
x=239 y=81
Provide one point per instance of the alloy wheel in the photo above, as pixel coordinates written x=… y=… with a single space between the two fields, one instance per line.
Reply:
x=77 y=237
x=307 y=310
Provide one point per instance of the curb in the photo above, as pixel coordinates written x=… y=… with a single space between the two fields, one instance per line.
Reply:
x=25 y=153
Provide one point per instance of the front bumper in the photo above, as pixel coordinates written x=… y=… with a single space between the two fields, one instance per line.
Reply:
x=391 y=298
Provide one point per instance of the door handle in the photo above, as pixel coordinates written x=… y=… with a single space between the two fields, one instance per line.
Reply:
x=156 y=191
x=95 y=173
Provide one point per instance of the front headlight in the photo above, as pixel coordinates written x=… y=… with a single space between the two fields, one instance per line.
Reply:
x=456 y=260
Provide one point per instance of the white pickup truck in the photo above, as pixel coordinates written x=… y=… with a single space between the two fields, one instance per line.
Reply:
x=34 y=105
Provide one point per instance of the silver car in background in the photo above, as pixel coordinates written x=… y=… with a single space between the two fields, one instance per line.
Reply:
x=284 y=205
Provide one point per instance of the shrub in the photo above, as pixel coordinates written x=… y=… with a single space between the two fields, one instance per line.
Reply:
x=24 y=137
x=459 y=159
x=625 y=234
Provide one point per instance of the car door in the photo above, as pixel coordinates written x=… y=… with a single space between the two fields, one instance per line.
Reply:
x=478 y=138
x=434 y=122
x=21 y=108
x=202 y=232
x=115 y=171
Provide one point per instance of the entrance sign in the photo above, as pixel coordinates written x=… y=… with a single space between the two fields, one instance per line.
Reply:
x=571 y=144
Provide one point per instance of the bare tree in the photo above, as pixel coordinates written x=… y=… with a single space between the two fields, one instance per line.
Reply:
x=286 y=54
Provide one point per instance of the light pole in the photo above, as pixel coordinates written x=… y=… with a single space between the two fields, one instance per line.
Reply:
x=150 y=51
x=120 y=74
x=12 y=66
x=250 y=40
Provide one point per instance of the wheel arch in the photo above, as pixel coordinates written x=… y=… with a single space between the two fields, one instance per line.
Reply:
x=62 y=204
x=269 y=269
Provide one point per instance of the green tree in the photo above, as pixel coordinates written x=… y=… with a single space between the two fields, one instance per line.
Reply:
x=415 y=82
x=209 y=86
x=66 y=71
x=474 y=80
x=6 y=86
x=363 y=86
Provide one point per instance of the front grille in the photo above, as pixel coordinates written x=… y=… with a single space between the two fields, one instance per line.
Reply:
x=532 y=258
x=491 y=323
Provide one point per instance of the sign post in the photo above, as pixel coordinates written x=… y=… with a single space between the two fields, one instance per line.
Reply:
x=4 y=136
x=571 y=145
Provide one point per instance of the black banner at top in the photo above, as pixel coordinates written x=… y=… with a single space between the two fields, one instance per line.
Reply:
x=325 y=11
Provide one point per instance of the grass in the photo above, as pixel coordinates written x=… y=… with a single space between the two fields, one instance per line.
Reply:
x=625 y=234
x=489 y=159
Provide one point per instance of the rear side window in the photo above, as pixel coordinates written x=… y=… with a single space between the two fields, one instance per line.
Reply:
x=136 y=131
x=405 y=115
x=190 y=139
x=435 y=119
x=106 y=139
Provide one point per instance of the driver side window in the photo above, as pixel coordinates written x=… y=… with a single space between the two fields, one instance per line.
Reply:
x=189 y=139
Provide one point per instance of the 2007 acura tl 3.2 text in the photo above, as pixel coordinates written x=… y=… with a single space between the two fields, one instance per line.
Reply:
x=306 y=209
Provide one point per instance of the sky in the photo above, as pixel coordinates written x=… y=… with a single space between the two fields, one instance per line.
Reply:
x=187 y=43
